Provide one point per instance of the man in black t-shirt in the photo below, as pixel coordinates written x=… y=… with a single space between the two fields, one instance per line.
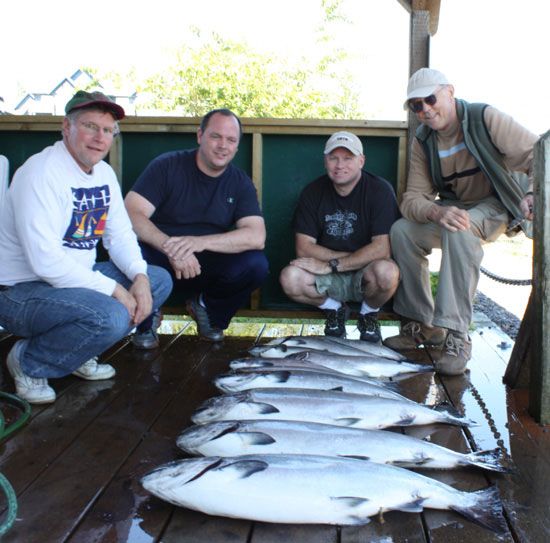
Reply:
x=198 y=216
x=342 y=225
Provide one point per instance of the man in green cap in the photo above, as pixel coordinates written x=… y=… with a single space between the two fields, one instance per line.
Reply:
x=66 y=307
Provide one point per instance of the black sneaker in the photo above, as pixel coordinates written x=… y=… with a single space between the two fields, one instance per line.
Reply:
x=200 y=316
x=369 y=327
x=148 y=339
x=335 y=324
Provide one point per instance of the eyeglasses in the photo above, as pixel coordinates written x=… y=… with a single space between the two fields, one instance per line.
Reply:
x=416 y=106
x=93 y=129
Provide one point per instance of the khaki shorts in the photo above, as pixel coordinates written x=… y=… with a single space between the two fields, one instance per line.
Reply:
x=344 y=287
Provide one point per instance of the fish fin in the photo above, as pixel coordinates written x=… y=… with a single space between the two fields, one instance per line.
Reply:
x=447 y=408
x=350 y=421
x=354 y=520
x=356 y=456
x=258 y=438
x=337 y=389
x=228 y=430
x=417 y=460
x=264 y=408
x=406 y=421
x=492 y=460
x=350 y=501
x=487 y=511
x=246 y=468
x=303 y=355
x=217 y=462
x=415 y=506
x=279 y=376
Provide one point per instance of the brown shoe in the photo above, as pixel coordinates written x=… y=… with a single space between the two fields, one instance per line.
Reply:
x=454 y=354
x=413 y=334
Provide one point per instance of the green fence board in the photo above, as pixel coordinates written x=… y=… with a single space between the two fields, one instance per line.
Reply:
x=289 y=162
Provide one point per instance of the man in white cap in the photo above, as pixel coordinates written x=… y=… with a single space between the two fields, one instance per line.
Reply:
x=342 y=224
x=460 y=194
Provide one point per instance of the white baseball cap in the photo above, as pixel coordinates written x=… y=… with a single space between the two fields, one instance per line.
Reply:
x=423 y=83
x=344 y=139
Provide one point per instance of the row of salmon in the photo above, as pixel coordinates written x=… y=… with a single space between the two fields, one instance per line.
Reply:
x=298 y=438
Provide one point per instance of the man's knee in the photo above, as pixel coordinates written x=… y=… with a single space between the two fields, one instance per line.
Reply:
x=292 y=279
x=382 y=273
x=253 y=265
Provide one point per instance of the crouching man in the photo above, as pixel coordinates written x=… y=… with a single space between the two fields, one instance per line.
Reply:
x=342 y=224
x=66 y=307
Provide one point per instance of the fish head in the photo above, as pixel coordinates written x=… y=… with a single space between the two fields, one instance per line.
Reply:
x=195 y=436
x=214 y=408
x=169 y=477
x=242 y=363
x=231 y=382
x=270 y=351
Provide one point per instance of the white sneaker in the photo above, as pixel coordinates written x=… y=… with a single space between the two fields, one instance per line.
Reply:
x=92 y=371
x=32 y=389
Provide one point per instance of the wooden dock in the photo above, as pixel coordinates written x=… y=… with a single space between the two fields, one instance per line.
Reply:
x=77 y=464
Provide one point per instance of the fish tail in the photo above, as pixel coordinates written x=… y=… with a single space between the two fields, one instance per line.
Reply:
x=487 y=511
x=492 y=460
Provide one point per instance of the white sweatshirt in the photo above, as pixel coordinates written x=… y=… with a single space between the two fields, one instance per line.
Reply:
x=53 y=217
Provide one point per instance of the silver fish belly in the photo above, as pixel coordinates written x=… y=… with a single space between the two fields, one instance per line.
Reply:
x=327 y=407
x=307 y=489
x=235 y=438
x=296 y=378
x=339 y=346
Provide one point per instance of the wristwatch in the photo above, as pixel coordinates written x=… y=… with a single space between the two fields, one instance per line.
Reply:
x=334 y=263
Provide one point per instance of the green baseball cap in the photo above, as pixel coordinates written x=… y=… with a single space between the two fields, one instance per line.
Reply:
x=83 y=99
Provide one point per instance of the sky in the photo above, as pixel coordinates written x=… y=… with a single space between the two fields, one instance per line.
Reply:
x=491 y=50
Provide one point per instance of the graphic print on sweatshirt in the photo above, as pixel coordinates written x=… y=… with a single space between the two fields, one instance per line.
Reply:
x=90 y=209
x=340 y=225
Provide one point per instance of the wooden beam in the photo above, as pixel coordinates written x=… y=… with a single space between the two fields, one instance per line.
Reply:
x=539 y=397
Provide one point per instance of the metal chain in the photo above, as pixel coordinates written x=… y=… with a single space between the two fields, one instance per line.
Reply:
x=518 y=282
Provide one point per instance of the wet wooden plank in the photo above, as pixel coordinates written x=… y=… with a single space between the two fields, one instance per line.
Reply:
x=158 y=447
x=90 y=462
x=279 y=533
x=85 y=456
x=191 y=527
x=524 y=491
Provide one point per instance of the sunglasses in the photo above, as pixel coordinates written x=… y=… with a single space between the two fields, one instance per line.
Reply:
x=416 y=106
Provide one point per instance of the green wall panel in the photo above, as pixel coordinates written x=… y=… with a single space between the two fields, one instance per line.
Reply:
x=139 y=149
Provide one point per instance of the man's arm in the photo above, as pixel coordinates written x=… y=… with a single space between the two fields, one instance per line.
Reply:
x=314 y=258
x=249 y=234
x=140 y=210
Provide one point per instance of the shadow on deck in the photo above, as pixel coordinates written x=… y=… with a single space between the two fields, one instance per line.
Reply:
x=76 y=466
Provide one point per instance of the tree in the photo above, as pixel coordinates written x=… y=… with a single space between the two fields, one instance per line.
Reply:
x=223 y=73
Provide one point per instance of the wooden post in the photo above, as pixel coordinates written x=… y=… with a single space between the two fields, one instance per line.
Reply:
x=539 y=389
x=419 y=54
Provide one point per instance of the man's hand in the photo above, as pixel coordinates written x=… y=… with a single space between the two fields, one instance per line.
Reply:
x=311 y=265
x=187 y=268
x=526 y=206
x=126 y=299
x=450 y=217
x=181 y=247
x=141 y=291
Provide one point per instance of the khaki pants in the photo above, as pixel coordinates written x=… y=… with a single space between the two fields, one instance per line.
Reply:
x=461 y=255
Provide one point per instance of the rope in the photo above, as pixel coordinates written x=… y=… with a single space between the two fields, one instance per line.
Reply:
x=5 y=485
x=495 y=277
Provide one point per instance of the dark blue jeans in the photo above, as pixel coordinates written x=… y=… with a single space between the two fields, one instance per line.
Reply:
x=65 y=327
x=226 y=280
